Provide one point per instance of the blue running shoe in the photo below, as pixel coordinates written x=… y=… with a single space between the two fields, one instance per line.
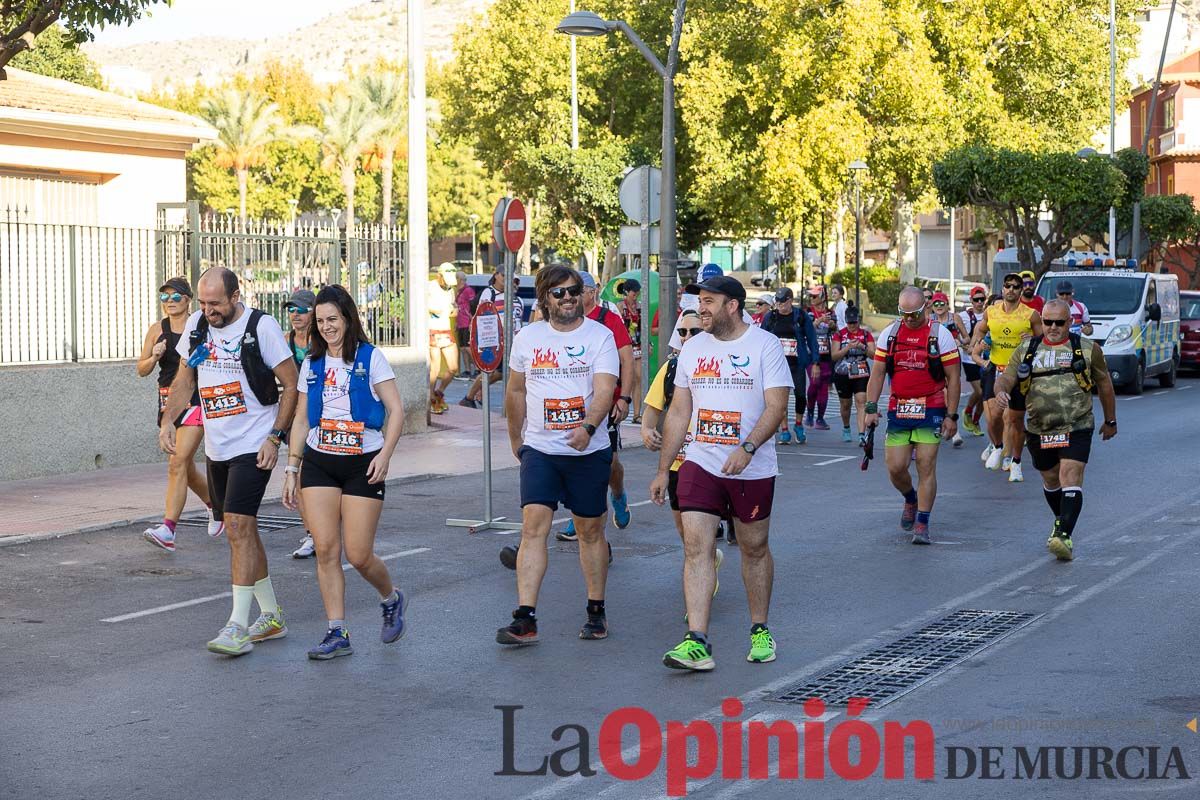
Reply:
x=783 y=438
x=568 y=534
x=336 y=643
x=621 y=515
x=846 y=435
x=801 y=436
x=393 y=618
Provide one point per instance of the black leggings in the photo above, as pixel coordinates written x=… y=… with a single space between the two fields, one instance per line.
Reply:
x=800 y=378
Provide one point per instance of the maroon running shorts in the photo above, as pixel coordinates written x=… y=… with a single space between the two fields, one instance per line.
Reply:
x=749 y=501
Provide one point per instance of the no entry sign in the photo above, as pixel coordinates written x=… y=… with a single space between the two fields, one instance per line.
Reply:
x=514 y=225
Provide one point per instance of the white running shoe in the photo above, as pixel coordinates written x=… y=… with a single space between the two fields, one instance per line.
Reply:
x=160 y=536
x=993 y=462
x=215 y=526
x=987 y=452
x=957 y=441
x=306 y=549
x=1014 y=474
x=1006 y=465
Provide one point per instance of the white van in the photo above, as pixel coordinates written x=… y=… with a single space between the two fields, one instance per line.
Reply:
x=1135 y=317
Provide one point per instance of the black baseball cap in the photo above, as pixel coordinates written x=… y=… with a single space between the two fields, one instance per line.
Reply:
x=783 y=294
x=178 y=285
x=720 y=284
x=851 y=315
x=1065 y=287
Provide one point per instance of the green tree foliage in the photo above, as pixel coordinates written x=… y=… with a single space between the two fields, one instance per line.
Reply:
x=1172 y=228
x=21 y=21
x=56 y=55
x=348 y=130
x=246 y=123
x=385 y=94
x=459 y=186
x=1018 y=186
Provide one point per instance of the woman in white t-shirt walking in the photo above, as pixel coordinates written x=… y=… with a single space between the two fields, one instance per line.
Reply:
x=346 y=388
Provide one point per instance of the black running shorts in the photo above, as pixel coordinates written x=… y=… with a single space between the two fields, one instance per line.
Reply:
x=971 y=372
x=847 y=387
x=1078 y=448
x=348 y=473
x=237 y=485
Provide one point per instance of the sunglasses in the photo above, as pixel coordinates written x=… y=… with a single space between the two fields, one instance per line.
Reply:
x=1066 y=294
x=1027 y=283
x=298 y=309
x=173 y=297
x=559 y=292
x=978 y=299
x=919 y=312
x=1013 y=285
x=686 y=332
x=1062 y=322
x=928 y=297
x=939 y=304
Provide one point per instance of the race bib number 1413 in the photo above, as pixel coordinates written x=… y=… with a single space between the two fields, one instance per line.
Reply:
x=223 y=401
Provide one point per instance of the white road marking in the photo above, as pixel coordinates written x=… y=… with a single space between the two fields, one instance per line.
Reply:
x=835 y=460
x=1156 y=394
x=1135 y=397
x=199 y=600
x=1182 y=387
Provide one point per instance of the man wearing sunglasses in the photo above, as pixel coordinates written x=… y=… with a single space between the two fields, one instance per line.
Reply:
x=561 y=382
x=1056 y=373
x=921 y=358
x=1009 y=322
x=1028 y=282
x=1081 y=320
x=731 y=389
x=968 y=320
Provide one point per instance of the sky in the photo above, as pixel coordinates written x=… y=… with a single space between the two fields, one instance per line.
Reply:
x=236 y=19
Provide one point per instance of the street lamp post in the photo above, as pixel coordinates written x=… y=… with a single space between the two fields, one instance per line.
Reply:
x=587 y=23
x=474 y=255
x=855 y=168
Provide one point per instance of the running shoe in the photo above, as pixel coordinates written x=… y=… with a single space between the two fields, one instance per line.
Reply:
x=921 y=533
x=508 y=556
x=568 y=533
x=467 y=402
x=596 y=627
x=971 y=427
x=994 y=460
x=621 y=515
x=268 y=626
x=762 y=645
x=1006 y=464
x=336 y=643
x=720 y=530
x=215 y=526
x=821 y=425
x=1015 y=475
x=801 y=436
x=808 y=420
x=233 y=640
x=717 y=571
x=160 y=536
x=393 y=618
x=522 y=631
x=957 y=441
x=987 y=452
x=846 y=435
x=691 y=654
x=306 y=549
x=783 y=437
x=731 y=533
x=908 y=517
x=1061 y=546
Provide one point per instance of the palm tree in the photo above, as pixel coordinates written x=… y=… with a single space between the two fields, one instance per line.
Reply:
x=246 y=122
x=348 y=129
x=385 y=94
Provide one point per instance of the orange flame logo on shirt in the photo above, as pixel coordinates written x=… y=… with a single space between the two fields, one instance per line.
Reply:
x=544 y=358
x=707 y=368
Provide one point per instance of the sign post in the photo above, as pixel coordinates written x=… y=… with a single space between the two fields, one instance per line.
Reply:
x=487 y=351
x=513 y=223
x=640 y=198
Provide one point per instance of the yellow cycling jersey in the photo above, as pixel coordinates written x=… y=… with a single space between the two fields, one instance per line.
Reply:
x=1007 y=330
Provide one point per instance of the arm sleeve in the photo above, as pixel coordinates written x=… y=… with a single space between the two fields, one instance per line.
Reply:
x=381 y=370
x=947 y=346
x=888 y=332
x=520 y=352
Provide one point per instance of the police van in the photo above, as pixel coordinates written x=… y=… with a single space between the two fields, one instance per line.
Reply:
x=1135 y=316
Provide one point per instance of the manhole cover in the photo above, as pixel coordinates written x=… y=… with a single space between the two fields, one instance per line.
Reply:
x=895 y=669
x=266 y=522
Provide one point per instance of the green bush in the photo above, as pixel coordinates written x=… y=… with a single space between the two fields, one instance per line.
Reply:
x=884 y=296
x=871 y=277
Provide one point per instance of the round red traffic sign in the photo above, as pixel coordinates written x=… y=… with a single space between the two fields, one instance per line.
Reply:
x=487 y=337
x=514 y=225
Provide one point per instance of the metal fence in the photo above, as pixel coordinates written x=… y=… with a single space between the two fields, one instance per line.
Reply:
x=88 y=293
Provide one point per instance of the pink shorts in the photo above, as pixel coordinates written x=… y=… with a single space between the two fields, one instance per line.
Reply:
x=191 y=418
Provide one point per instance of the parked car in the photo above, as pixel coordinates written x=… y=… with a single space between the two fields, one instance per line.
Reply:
x=1189 y=323
x=766 y=278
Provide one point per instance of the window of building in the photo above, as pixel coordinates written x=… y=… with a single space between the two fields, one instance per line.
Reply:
x=1142 y=116
x=1168 y=114
x=49 y=196
x=1170 y=184
x=1152 y=177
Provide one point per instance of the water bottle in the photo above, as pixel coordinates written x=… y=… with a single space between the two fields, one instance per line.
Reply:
x=198 y=356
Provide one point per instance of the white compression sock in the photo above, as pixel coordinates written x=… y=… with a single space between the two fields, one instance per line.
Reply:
x=242 y=595
x=264 y=593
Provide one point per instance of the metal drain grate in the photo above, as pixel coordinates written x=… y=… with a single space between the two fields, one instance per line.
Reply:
x=895 y=669
x=265 y=522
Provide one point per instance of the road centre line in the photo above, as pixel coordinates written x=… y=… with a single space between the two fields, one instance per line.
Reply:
x=199 y=600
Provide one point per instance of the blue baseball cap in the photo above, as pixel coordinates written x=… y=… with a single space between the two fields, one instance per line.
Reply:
x=589 y=280
x=710 y=271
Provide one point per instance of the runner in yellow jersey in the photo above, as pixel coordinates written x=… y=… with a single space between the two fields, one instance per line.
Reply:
x=1009 y=322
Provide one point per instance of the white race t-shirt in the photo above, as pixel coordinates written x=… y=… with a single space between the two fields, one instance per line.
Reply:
x=676 y=340
x=559 y=368
x=839 y=311
x=343 y=439
x=727 y=381
x=235 y=423
x=490 y=295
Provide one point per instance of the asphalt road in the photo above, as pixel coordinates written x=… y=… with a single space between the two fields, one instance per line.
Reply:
x=134 y=707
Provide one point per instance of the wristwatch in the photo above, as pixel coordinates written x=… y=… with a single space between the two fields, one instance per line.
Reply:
x=590 y=428
x=628 y=400
x=953 y=417
x=749 y=447
x=1112 y=422
x=275 y=437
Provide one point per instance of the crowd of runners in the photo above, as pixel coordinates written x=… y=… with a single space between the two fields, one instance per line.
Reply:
x=739 y=382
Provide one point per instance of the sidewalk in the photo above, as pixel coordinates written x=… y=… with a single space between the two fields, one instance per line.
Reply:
x=45 y=508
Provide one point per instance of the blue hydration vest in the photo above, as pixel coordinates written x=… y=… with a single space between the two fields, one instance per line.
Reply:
x=364 y=407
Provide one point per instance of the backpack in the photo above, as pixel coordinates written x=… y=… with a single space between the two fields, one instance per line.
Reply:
x=364 y=407
x=933 y=358
x=260 y=376
x=669 y=381
x=1078 y=366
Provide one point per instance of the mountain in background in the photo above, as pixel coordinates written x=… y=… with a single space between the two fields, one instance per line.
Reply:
x=327 y=49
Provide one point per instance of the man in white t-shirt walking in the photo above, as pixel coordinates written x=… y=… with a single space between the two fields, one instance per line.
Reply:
x=561 y=382
x=235 y=354
x=731 y=387
x=1081 y=320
